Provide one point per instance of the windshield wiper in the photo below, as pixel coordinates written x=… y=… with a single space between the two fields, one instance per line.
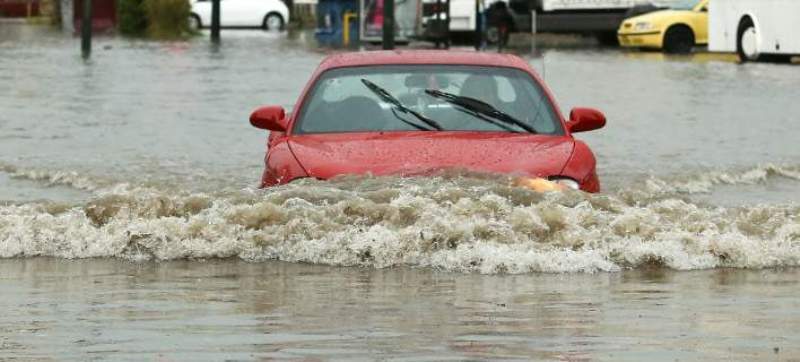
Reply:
x=389 y=98
x=481 y=110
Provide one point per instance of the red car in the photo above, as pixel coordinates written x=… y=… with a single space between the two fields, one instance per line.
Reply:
x=413 y=112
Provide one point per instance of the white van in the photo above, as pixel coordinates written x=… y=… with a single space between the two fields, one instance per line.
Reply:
x=755 y=29
x=552 y=16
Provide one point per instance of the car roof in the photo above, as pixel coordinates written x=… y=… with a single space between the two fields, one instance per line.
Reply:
x=400 y=57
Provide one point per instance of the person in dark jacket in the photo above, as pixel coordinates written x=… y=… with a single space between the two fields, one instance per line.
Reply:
x=500 y=21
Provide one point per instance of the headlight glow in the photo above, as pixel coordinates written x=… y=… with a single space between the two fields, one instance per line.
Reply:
x=546 y=185
x=567 y=182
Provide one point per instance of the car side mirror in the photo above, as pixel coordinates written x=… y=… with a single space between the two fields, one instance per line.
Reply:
x=585 y=119
x=271 y=118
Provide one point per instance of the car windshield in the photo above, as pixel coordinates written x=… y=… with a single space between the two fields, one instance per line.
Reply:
x=427 y=98
x=685 y=4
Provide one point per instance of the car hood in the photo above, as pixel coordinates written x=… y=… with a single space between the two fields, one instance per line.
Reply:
x=410 y=153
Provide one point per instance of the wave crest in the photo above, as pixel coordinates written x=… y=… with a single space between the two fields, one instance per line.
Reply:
x=451 y=223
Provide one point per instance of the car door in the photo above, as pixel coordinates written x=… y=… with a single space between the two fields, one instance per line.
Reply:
x=252 y=12
x=261 y=8
x=234 y=12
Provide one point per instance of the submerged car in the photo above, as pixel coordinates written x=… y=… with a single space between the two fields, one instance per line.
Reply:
x=265 y=14
x=676 y=30
x=419 y=112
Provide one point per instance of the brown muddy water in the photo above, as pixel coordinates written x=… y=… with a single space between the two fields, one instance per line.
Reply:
x=130 y=228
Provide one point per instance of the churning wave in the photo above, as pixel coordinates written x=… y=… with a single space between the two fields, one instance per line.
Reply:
x=449 y=222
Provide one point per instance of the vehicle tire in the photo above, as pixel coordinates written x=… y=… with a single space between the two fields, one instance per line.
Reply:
x=679 y=39
x=273 y=22
x=492 y=35
x=195 y=23
x=747 y=41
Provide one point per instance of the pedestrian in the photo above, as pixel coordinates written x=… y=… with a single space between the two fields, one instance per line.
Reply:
x=501 y=24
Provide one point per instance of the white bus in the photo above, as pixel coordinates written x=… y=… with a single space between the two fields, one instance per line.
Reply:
x=755 y=29
x=552 y=16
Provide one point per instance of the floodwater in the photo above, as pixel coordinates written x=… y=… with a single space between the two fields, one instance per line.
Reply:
x=130 y=227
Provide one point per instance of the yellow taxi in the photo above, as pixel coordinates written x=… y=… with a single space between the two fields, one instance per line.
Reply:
x=676 y=30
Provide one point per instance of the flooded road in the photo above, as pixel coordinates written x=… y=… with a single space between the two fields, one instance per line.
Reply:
x=130 y=226
x=233 y=310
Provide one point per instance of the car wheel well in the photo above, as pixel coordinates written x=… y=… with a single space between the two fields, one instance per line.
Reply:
x=745 y=23
x=671 y=30
x=680 y=26
x=196 y=17
x=273 y=13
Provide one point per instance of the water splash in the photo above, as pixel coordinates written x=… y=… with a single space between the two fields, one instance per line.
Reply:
x=448 y=222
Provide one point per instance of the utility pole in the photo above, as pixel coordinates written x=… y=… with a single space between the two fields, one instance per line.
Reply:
x=388 y=24
x=438 y=22
x=478 y=26
x=215 y=20
x=86 y=29
x=447 y=27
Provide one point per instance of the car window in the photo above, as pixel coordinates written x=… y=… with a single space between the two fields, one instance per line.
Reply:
x=403 y=98
x=684 y=4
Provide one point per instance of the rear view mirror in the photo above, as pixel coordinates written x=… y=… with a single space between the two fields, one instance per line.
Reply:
x=585 y=119
x=271 y=118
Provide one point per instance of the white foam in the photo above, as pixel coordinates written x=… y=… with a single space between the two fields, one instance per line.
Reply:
x=455 y=224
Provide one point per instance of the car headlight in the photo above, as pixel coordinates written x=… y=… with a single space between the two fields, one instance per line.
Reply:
x=643 y=25
x=567 y=182
x=546 y=185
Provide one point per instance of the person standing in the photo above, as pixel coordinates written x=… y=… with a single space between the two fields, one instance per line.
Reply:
x=501 y=24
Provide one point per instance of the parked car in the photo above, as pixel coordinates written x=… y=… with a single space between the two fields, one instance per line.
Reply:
x=266 y=14
x=676 y=30
x=756 y=30
x=417 y=112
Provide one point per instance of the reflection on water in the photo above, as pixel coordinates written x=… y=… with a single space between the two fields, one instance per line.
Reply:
x=699 y=56
x=235 y=310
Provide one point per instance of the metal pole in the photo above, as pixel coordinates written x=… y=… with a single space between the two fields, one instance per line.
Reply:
x=346 y=20
x=215 y=20
x=388 y=24
x=534 y=25
x=447 y=27
x=438 y=22
x=478 y=32
x=86 y=29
